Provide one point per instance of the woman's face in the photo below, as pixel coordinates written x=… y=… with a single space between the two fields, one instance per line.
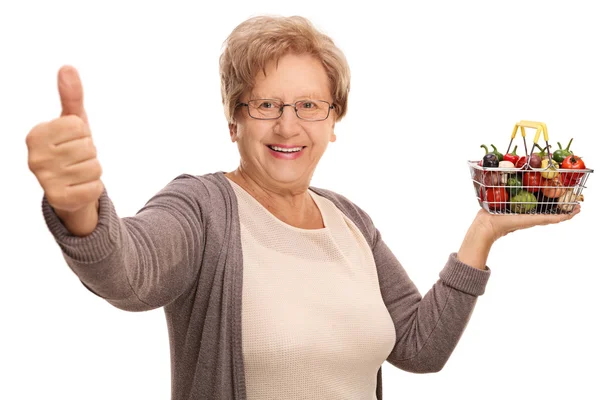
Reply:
x=260 y=142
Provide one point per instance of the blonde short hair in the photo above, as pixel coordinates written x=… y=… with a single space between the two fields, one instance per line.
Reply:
x=259 y=40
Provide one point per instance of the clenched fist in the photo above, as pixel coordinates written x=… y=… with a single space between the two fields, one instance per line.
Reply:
x=62 y=154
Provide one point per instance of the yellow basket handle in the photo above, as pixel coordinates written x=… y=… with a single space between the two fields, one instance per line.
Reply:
x=540 y=128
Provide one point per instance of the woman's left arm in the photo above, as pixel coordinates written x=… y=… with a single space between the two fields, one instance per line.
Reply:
x=429 y=327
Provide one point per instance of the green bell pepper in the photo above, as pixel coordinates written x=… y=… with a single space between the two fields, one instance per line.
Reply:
x=560 y=154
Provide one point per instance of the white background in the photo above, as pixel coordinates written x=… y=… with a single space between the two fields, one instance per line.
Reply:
x=431 y=82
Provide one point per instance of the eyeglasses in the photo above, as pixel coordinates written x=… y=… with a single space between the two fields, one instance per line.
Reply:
x=307 y=110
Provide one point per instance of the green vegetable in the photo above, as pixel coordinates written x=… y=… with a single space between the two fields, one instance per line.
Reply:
x=514 y=185
x=542 y=152
x=497 y=153
x=523 y=202
x=561 y=154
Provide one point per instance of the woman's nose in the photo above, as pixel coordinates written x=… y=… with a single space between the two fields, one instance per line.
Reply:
x=287 y=124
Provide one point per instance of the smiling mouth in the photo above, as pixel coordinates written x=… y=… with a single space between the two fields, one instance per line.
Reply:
x=286 y=150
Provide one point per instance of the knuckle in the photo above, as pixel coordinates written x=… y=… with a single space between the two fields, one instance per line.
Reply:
x=56 y=197
x=97 y=168
x=32 y=138
x=91 y=147
x=33 y=163
x=36 y=161
x=99 y=188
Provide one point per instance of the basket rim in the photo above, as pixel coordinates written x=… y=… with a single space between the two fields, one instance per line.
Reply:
x=474 y=165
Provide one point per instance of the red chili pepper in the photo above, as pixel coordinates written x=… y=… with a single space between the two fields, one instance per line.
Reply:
x=572 y=162
x=512 y=157
x=521 y=161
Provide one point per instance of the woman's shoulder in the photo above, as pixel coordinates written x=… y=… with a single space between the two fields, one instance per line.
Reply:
x=211 y=184
x=350 y=209
x=210 y=193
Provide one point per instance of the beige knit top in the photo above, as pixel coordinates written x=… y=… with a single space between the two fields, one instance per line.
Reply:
x=300 y=338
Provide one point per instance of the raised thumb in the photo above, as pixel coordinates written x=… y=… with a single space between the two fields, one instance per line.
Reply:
x=70 y=90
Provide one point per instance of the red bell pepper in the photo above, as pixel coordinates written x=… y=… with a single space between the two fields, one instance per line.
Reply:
x=532 y=181
x=521 y=161
x=534 y=162
x=497 y=198
x=512 y=157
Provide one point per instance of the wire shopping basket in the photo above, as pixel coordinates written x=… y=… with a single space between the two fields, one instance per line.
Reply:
x=529 y=188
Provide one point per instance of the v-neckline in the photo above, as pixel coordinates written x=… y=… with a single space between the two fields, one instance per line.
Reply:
x=313 y=195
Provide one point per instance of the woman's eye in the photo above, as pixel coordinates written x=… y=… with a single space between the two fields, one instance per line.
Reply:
x=266 y=104
x=308 y=104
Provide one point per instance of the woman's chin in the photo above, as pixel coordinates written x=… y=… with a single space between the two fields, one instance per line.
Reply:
x=286 y=176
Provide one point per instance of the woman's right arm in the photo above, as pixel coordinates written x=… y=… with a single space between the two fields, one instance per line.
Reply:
x=135 y=263
x=142 y=262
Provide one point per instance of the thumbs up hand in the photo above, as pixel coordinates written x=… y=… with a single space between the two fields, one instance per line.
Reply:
x=62 y=155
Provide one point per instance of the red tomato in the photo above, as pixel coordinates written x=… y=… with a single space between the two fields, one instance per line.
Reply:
x=571 y=162
x=532 y=181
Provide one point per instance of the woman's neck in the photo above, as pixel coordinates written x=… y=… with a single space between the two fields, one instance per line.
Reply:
x=293 y=206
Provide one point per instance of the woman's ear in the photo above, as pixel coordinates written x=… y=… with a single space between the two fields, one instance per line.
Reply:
x=233 y=131
x=332 y=137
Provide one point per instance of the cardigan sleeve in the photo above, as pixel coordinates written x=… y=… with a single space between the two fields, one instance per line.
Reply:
x=428 y=327
x=142 y=262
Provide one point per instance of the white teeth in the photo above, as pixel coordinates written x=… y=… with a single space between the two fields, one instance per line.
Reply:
x=286 y=150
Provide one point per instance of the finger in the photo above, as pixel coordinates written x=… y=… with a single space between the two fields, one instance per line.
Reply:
x=83 y=172
x=554 y=218
x=76 y=151
x=70 y=90
x=63 y=130
x=73 y=197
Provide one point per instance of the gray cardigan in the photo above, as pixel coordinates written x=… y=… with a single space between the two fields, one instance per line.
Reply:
x=182 y=251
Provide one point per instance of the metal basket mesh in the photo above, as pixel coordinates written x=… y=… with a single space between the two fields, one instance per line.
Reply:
x=528 y=191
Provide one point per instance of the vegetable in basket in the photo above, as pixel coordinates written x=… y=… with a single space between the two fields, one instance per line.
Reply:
x=492 y=178
x=497 y=153
x=506 y=164
x=560 y=154
x=534 y=162
x=553 y=188
x=572 y=162
x=550 y=169
x=514 y=185
x=512 y=157
x=490 y=159
x=567 y=197
x=505 y=175
x=497 y=198
x=532 y=181
x=523 y=202
x=542 y=153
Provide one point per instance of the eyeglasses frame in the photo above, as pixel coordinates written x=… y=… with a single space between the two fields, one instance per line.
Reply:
x=293 y=105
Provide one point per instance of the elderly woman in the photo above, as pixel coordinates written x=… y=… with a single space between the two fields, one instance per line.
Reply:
x=272 y=289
